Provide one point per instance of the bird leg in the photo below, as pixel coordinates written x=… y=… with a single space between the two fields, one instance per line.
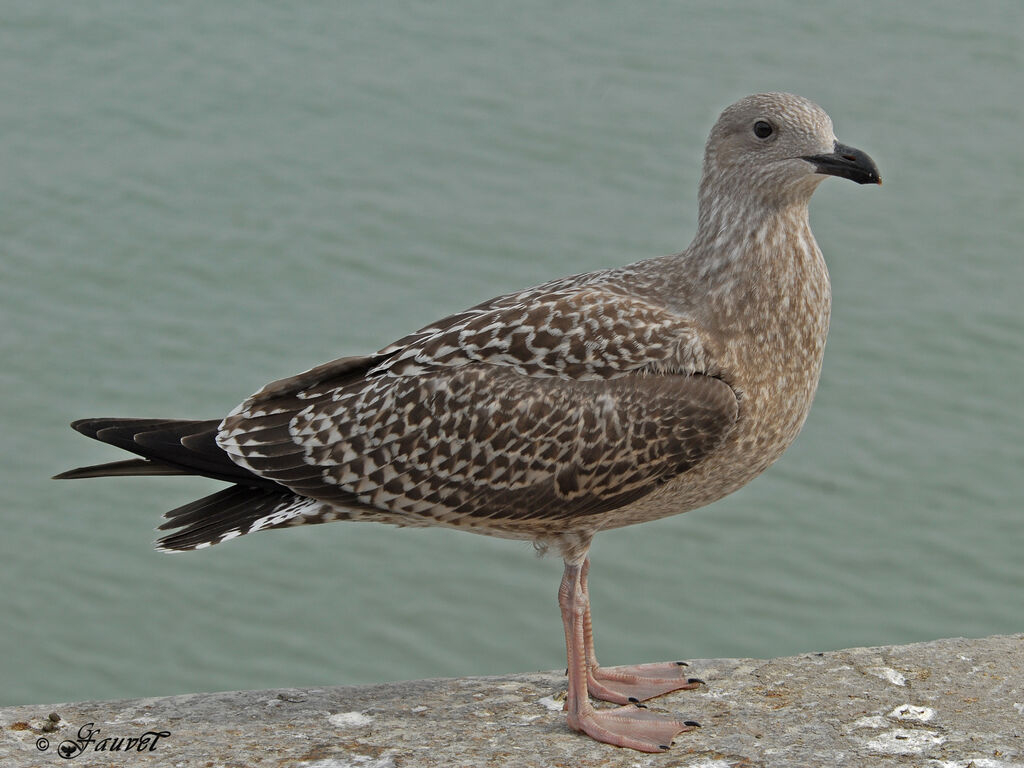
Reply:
x=628 y=726
x=633 y=683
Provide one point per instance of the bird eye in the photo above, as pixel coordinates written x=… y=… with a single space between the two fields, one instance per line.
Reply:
x=763 y=129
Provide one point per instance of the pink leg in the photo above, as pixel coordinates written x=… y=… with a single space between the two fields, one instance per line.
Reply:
x=628 y=726
x=634 y=683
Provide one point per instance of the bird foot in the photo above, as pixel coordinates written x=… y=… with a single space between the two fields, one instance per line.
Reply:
x=638 y=682
x=630 y=726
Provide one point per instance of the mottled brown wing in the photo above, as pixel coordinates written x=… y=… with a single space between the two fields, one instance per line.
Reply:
x=583 y=332
x=526 y=297
x=479 y=442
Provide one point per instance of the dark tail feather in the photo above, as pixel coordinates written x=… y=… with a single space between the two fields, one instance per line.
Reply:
x=181 y=447
x=225 y=515
x=126 y=468
x=167 y=447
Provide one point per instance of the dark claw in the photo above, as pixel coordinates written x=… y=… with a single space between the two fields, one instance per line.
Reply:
x=663 y=747
x=682 y=664
x=696 y=680
x=692 y=723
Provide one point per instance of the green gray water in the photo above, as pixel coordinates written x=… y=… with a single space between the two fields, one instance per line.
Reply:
x=197 y=198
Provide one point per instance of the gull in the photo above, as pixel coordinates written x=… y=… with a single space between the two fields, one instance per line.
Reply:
x=550 y=414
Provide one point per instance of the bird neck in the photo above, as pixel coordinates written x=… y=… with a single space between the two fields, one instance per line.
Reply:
x=740 y=242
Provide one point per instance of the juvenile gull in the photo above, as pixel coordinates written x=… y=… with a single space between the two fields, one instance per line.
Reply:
x=586 y=403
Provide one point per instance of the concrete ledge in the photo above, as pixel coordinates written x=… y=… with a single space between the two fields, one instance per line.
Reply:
x=948 y=703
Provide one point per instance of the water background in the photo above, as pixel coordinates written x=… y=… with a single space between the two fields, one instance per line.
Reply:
x=199 y=197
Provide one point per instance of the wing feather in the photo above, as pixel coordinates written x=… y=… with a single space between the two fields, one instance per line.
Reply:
x=500 y=445
x=563 y=401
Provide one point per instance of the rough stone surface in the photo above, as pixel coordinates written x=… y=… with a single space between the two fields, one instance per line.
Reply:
x=948 y=704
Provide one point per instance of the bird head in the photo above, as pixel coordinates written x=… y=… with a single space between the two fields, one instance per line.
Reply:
x=776 y=148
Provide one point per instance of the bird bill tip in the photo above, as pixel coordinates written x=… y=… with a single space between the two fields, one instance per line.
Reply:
x=846 y=163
